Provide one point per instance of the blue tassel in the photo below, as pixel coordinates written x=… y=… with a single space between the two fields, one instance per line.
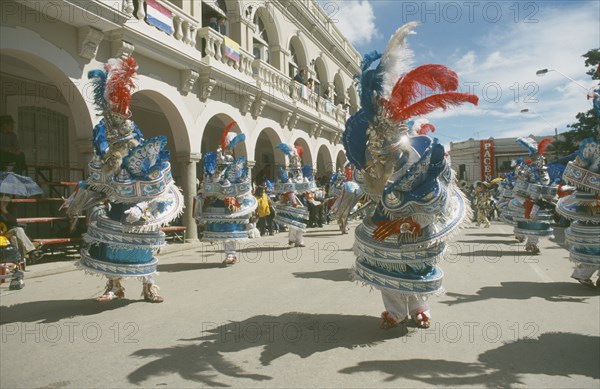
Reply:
x=282 y=174
x=210 y=162
x=287 y=150
x=99 y=139
x=355 y=139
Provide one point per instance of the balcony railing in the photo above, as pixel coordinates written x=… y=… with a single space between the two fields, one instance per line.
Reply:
x=270 y=79
x=185 y=27
x=211 y=46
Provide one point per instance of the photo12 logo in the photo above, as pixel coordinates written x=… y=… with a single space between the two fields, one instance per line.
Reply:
x=70 y=332
x=468 y=11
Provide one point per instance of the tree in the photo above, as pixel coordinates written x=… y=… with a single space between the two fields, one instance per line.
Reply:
x=588 y=123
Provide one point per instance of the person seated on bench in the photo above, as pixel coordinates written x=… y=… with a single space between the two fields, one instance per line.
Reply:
x=28 y=249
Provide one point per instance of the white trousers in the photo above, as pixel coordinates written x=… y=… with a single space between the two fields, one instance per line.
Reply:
x=401 y=305
x=296 y=235
x=584 y=272
x=25 y=244
x=229 y=247
x=145 y=279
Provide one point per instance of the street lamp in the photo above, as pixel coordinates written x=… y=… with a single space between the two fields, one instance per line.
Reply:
x=542 y=72
x=527 y=110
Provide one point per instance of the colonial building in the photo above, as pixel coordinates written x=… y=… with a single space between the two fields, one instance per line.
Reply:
x=485 y=159
x=193 y=78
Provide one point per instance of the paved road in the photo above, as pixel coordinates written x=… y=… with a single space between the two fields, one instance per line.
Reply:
x=293 y=318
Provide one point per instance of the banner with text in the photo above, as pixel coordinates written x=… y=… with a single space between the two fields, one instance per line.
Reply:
x=488 y=168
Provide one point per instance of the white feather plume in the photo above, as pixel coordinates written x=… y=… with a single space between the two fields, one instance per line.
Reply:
x=397 y=58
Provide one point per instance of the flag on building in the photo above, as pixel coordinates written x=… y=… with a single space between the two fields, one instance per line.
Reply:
x=232 y=49
x=159 y=16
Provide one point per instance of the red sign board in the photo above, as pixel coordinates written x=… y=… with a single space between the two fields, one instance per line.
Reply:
x=488 y=168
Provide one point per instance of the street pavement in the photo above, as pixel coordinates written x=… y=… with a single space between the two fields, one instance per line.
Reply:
x=287 y=317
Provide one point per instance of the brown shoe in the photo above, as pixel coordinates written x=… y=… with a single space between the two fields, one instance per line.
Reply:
x=150 y=293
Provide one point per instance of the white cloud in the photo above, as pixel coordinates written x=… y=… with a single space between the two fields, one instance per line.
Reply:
x=355 y=19
x=466 y=63
x=506 y=58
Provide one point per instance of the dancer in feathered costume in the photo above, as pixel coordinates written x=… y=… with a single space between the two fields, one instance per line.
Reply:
x=482 y=203
x=349 y=195
x=583 y=208
x=407 y=174
x=534 y=196
x=293 y=181
x=129 y=189
x=506 y=195
x=226 y=203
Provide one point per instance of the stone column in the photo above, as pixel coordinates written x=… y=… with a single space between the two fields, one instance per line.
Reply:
x=251 y=165
x=188 y=163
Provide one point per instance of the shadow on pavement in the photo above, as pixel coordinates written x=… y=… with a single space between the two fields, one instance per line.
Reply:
x=336 y=275
x=328 y=234
x=493 y=252
x=290 y=333
x=51 y=311
x=554 y=354
x=571 y=292
x=491 y=241
x=489 y=235
x=185 y=266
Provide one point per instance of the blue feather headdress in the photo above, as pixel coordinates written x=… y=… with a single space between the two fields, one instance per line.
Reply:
x=210 y=162
x=529 y=144
x=239 y=138
x=307 y=171
x=98 y=78
x=287 y=150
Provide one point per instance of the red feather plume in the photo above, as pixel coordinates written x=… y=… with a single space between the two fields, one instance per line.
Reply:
x=528 y=162
x=120 y=84
x=412 y=85
x=426 y=129
x=431 y=103
x=299 y=150
x=543 y=145
x=228 y=127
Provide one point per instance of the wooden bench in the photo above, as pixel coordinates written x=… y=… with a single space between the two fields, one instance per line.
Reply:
x=44 y=200
x=53 y=241
x=57 y=245
x=27 y=220
x=178 y=232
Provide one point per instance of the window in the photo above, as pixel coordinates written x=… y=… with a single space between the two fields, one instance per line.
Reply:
x=44 y=136
x=260 y=45
x=461 y=171
x=293 y=65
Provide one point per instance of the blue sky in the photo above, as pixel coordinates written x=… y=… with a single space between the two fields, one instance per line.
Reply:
x=496 y=47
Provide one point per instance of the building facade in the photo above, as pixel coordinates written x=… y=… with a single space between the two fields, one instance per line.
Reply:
x=193 y=79
x=481 y=160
